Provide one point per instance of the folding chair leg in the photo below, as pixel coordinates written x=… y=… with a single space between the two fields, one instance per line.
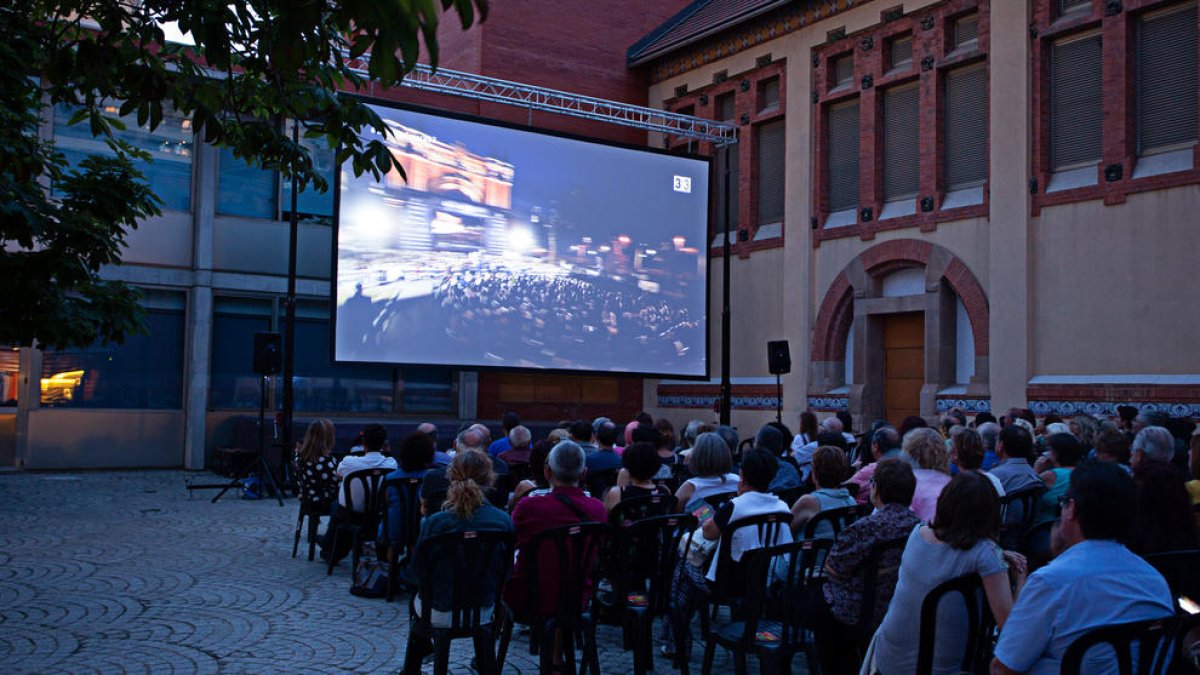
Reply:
x=546 y=648
x=393 y=570
x=591 y=655
x=412 y=656
x=739 y=663
x=567 y=643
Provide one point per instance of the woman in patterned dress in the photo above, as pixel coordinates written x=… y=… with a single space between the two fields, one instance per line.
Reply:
x=315 y=465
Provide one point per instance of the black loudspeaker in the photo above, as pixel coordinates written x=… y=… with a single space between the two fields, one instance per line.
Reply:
x=268 y=353
x=779 y=358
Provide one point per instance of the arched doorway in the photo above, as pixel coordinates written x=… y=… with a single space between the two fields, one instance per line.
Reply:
x=901 y=330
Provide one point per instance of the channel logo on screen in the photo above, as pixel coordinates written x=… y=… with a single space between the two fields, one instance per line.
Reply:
x=683 y=184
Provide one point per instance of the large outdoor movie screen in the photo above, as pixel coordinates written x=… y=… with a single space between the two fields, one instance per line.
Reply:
x=519 y=249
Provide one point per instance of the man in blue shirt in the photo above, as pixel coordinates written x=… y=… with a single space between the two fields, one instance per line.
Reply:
x=509 y=422
x=1094 y=581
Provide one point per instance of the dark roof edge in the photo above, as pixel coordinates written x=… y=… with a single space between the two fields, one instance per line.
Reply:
x=633 y=61
x=683 y=15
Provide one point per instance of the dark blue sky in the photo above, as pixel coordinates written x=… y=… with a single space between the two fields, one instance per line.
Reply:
x=602 y=190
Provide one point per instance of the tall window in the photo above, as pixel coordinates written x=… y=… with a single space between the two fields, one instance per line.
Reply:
x=247 y=190
x=727 y=159
x=10 y=371
x=841 y=72
x=900 y=52
x=233 y=382
x=145 y=372
x=843 y=156
x=1076 y=102
x=966 y=129
x=901 y=143
x=169 y=171
x=770 y=173
x=1166 y=80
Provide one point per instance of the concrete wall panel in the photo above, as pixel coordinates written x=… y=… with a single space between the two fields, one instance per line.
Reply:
x=87 y=439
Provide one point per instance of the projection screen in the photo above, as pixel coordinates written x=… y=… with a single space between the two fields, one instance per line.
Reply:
x=513 y=248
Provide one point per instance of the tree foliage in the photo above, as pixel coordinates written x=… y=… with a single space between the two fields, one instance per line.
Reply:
x=254 y=66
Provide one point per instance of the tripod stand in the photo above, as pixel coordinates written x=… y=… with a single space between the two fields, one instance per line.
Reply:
x=259 y=462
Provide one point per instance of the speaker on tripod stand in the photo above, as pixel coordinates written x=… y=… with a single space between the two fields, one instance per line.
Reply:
x=779 y=362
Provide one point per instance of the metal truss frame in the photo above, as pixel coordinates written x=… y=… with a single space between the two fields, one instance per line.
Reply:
x=542 y=99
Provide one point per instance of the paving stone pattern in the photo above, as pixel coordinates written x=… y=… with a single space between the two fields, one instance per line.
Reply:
x=125 y=572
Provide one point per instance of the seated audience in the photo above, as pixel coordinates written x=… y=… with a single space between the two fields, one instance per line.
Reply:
x=566 y=504
x=666 y=439
x=712 y=465
x=439 y=458
x=885 y=444
x=604 y=456
x=1065 y=452
x=966 y=452
x=925 y=448
x=961 y=540
x=689 y=583
x=770 y=439
x=504 y=443
x=1085 y=428
x=808 y=431
x=1163 y=519
x=912 y=422
x=519 y=441
x=640 y=462
x=416 y=458
x=374 y=442
x=315 y=466
x=1193 y=485
x=829 y=469
x=834 y=605
x=582 y=435
x=1112 y=445
x=466 y=509
x=536 y=483
x=989 y=434
x=1094 y=581
x=1013 y=450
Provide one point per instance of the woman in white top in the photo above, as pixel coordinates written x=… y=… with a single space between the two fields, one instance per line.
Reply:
x=712 y=464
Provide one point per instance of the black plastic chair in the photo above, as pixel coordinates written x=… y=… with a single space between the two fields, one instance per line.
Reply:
x=497 y=495
x=1026 y=499
x=771 y=625
x=977 y=650
x=313 y=512
x=790 y=495
x=1035 y=545
x=729 y=586
x=1181 y=569
x=574 y=548
x=599 y=482
x=884 y=554
x=719 y=499
x=400 y=536
x=641 y=558
x=361 y=525
x=631 y=510
x=1161 y=647
x=838 y=519
x=471 y=567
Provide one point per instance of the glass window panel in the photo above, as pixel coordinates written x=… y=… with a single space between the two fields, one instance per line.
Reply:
x=10 y=371
x=311 y=205
x=244 y=189
x=427 y=389
x=320 y=385
x=233 y=382
x=146 y=372
x=170 y=146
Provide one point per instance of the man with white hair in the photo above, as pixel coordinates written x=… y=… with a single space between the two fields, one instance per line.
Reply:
x=989 y=433
x=566 y=504
x=1152 y=443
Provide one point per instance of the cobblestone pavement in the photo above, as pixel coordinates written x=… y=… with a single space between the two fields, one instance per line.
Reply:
x=125 y=572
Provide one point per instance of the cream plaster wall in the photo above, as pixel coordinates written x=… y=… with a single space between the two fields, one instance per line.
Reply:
x=1115 y=288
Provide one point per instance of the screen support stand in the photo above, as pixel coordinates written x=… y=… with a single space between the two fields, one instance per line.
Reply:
x=778 y=398
x=289 y=320
x=726 y=251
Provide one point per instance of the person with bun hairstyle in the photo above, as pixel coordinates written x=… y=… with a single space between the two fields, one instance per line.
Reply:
x=466 y=509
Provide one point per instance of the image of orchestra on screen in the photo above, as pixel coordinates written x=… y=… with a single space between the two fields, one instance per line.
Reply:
x=513 y=248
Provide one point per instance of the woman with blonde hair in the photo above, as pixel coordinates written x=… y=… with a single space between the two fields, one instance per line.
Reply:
x=925 y=448
x=314 y=465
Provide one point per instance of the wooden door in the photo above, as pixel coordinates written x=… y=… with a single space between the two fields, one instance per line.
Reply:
x=903 y=365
